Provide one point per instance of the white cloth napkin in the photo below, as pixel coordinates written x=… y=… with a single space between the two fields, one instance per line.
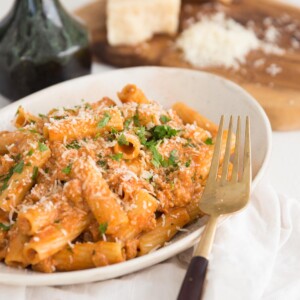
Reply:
x=256 y=255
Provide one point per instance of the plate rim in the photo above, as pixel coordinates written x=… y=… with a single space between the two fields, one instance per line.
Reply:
x=76 y=277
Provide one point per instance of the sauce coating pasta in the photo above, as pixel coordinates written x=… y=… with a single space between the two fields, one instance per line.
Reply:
x=99 y=184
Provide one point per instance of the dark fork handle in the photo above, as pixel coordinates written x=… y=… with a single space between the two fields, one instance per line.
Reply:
x=192 y=286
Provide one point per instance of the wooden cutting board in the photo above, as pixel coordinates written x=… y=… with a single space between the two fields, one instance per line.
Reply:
x=279 y=95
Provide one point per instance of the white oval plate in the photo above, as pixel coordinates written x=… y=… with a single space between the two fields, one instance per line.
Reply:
x=209 y=94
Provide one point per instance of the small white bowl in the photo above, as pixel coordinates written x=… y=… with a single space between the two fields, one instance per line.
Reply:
x=209 y=94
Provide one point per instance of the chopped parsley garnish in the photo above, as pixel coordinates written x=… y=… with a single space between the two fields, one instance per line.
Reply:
x=127 y=123
x=67 y=169
x=102 y=163
x=122 y=140
x=188 y=163
x=209 y=141
x=4 y=227
x=59 y=117
x=157 y=159
x=114 y=131
x=17 y=112
x=73 y=145
x=87 y=106
x=17 y=157
x=42 y=116
x=136 y=120
x=4 y=186
x=42 y=147
x=33 y=131
x=35 y=173
x=97 y=136
x=189 y=144
x=164 y=119
x=172 y=161
x=117 y=156
x=104 y=121
x=163 y=131
x=18 y=168
x=103 y=227
x=141 y=133
x=30 y=152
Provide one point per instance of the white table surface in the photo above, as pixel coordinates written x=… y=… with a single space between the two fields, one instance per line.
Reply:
x=285 y=160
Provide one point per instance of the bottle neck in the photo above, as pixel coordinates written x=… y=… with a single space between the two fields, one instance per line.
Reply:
x=32 y=7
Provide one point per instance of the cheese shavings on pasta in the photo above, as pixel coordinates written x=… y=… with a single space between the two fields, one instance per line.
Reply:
x=98 y=184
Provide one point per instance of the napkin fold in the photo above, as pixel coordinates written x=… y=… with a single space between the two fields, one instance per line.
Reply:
x=256 y=255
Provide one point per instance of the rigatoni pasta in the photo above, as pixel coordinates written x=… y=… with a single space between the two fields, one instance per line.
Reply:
x=99 y=184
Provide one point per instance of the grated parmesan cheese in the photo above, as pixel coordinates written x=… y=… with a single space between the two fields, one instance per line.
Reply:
x=218 y=41
x=273 y=70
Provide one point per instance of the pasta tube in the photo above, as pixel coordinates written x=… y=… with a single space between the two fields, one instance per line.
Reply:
x=130 y=93
x=167 y=226
x=55 y=237
x=103 y=203
x=88 y=255
x=80 y=127
x=190 y=116
x=37 y=216
x=130 y=147
x=22 y=179
x=14 y=255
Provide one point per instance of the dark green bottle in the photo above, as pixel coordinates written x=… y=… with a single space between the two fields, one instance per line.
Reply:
x=40 y=45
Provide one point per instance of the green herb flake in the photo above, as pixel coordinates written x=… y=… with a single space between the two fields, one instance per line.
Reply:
x=117 y=156
x=136 y=120
x=114 y=131
x=164 y=119
x=122 y=140
x=209 y=141
x=4 y=186
x=67 y=170
x=18 y=168
x=73 y=145
x=141 y=133
x=17 y=112
x=17 y=157
x=4 y=227
x=42 y=147
x=59 y=117
x=33 y=131
x=172 y=161
x=42 y=116
x=104 y=121
x=30 y=152
x=102 y=164
x=87 y=106
x=97 y=136
x=188 y=163
x=103 y=227
x=157 y=159
x=163 y=131
x=35 y=173
x=127 y=123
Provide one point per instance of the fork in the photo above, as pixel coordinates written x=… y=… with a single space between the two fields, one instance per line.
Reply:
x=221 y=196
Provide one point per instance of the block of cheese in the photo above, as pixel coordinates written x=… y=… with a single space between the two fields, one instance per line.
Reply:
x=130 y=22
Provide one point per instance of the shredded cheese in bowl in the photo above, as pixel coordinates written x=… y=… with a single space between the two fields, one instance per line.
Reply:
x=218 y=41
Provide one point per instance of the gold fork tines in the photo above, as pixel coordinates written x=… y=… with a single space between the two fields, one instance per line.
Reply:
x=221 y=196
